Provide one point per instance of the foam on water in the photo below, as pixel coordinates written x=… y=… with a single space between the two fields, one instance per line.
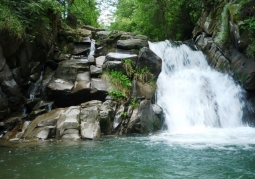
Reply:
x=201 y=105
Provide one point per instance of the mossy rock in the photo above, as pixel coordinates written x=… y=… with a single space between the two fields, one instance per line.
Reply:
x=234 y=12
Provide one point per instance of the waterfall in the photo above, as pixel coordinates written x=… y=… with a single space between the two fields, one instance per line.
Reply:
x=36 y=87
x=192 y=94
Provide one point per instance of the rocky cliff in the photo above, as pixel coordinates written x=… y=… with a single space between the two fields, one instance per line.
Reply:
x=220 y=35
x=79 y=83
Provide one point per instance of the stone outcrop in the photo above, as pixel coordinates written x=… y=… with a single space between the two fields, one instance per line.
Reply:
x=68 y=79
x=220 y=36
x=226 y=54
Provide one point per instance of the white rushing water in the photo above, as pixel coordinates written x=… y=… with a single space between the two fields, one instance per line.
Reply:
x=200 y=104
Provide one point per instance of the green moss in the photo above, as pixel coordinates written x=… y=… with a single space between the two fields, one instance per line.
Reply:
x=223 y=36
x=234 y=10
x=28 y=20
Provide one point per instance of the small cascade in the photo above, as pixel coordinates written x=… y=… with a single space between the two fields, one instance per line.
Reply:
x=49 y=107
x=192 y=94
x=35 y=88
x=92 y=47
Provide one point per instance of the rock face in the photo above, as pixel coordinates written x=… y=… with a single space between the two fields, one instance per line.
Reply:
x=132 y=44
x=68 y=79
x=226 y=54
x=145 y=119
x=219 y=35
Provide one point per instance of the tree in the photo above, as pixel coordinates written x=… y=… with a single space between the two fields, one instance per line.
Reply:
x=158 y=19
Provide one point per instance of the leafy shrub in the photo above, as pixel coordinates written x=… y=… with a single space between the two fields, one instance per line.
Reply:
x=120 y=80
x=134 y=103
x=116 y=95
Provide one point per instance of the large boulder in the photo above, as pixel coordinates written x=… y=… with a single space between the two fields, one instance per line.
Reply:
x=46 y=120
x=145 y=119
x=68 y=120
x=106 y=115
x=90 y=128
x=148 y=58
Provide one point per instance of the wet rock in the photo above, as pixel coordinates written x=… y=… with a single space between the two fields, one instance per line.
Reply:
x=146 y=90
x=118 y=117
x=103 y=34
x=100 y=88
x=107 y=116
x=100 y=61
x=90 y=128
x=113 y=65
x=91 y=59
x=144 y=119
x=132 y=44
x=91 y=104
x=68 y=120
x=48 y=119
x=3 y=105
x=94 y=70
x=41 y=132
x=60 y=85
x=69 y=69
x=82 y=82
x=62 y=57
x=149 y=59
x=52 y=64
x=120 y=57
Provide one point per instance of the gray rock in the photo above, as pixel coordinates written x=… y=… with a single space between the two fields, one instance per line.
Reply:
x=91 y=104
x=68 y=120
x=149 y=59
x=60 y=85
x=94 y=70
x=113 y=65
x=41 y=132
x=43 y=120
x=144 y=119
x=71 y=134
x=100 y=84
x=90 y=128
x=100 y=61
x=132 y=44
x=107 y=116
x=118 y=117
x=120 y=57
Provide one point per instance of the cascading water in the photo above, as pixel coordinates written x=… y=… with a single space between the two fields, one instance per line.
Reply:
x=197 y=100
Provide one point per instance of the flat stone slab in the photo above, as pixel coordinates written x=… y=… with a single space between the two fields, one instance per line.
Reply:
x=120 y=56
x=99 y=84
x=132 y=44
x=75 y=63
x=60 y=85
x=95 y=70
x=83 y=76
x=100 y=61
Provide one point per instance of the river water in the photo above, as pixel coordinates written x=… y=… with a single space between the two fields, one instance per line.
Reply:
x=206 y=136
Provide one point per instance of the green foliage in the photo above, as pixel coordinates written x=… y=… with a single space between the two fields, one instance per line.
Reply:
x=116 y=95
x=9 y=22
x=223 y=35
x=128 y=66
x=158 y=19
x=248 y=15
x=27 y=19
x=143 y=74
x=85 y=12
x=124 y=114
x=134 y=103
x=119 y=79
